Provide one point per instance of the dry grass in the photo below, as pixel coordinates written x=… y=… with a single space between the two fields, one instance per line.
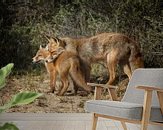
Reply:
x=49 y=102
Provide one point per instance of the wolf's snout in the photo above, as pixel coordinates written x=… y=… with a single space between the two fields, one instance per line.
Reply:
x=34 y=60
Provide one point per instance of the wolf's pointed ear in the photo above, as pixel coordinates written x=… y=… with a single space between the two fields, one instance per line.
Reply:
x=46 y=48
x=40 y=47
x=56 y=40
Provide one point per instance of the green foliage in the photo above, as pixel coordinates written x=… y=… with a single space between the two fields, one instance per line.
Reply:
x=4 y=72
x=22 y=98
x=8 y=126
x=23 y=24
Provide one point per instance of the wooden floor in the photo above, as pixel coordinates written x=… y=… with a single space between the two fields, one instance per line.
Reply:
x=57 y=121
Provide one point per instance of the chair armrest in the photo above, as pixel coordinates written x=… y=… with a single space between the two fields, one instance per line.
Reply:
x=106 y=86
x=98 y=90
x=148 y=100
x=147 y=88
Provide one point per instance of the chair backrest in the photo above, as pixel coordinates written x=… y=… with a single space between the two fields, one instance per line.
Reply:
x=143 y=77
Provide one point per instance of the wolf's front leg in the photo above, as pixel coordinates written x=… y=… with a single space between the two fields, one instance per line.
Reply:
x=52 y=81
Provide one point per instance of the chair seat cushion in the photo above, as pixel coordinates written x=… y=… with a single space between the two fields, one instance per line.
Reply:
x=125 y=110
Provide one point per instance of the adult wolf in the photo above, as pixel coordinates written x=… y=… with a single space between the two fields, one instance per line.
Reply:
x=65 y=63
x=112 y=48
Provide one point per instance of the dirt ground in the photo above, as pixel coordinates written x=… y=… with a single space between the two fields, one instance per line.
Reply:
x=49 y=102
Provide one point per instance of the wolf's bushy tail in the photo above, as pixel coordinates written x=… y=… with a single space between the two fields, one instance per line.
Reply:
x=77 y=76
x=136 y=57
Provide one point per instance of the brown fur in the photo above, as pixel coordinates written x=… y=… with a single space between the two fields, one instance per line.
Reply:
x=112 y=48
x=65 y=63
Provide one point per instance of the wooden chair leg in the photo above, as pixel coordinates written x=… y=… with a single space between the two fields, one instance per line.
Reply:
x=146 y=109
x=94 y=122
x=97 y=95
x=124 y=125
x=112 y=94
x=160 y=98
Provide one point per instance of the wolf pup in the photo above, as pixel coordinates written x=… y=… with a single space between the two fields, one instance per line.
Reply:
x=65 y=63
x=111 y=48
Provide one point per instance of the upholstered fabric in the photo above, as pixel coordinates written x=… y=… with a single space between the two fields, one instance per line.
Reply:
x=131 y=106
x=152 y=77
x=125 y=110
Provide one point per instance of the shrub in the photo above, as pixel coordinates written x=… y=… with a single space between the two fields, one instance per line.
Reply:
x=21 y=98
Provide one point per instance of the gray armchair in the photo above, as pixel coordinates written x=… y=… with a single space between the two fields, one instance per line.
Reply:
x=141 y=104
